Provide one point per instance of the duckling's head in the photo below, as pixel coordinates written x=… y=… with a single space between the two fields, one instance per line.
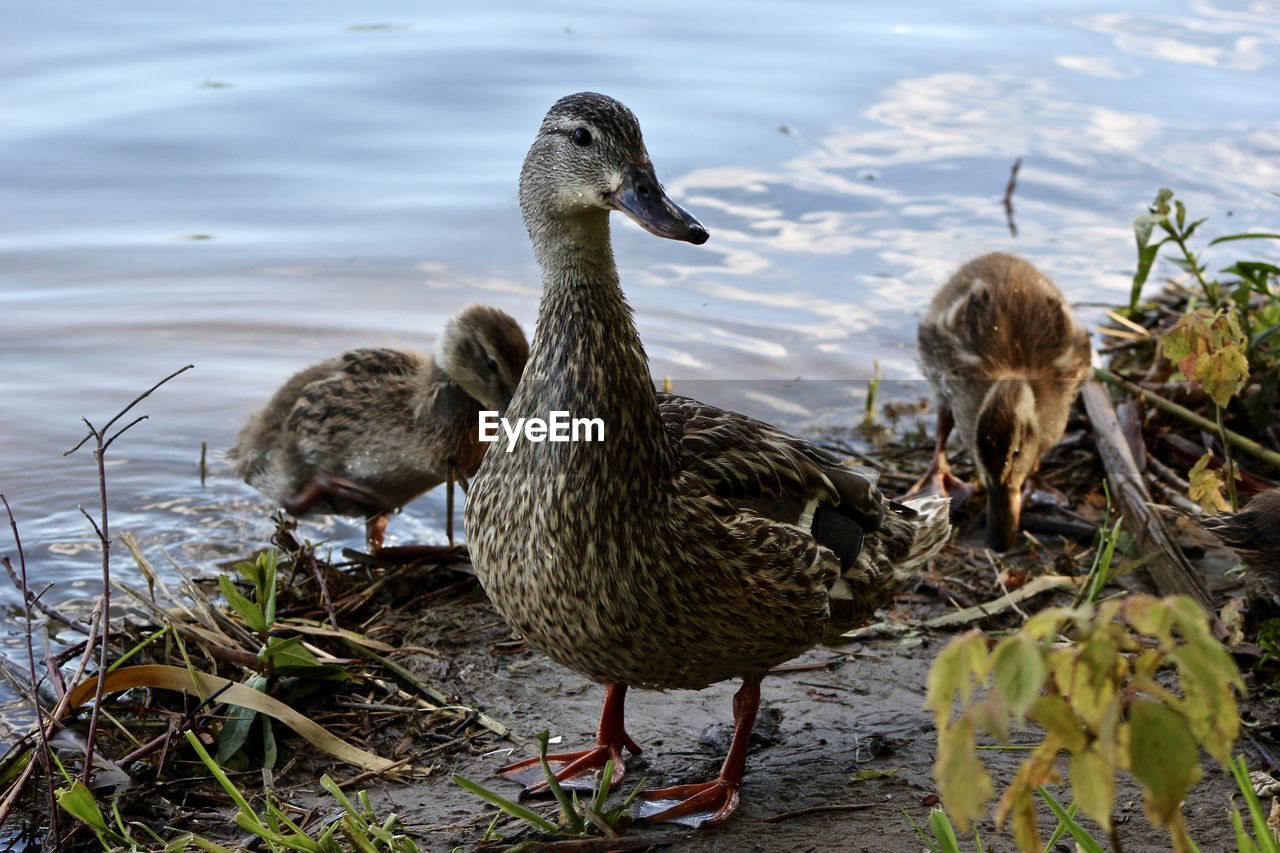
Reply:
x=1007 y=451
x=588 y=159
x=484 y=350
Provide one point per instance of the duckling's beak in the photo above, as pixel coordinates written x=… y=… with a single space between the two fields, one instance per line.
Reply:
x=1004 y=512
x=641 y=197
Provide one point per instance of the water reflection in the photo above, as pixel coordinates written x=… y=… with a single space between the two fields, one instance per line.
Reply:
x=351 y=183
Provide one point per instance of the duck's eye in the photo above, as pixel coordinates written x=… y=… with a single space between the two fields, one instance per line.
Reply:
x=581 y=136
x=491 y=363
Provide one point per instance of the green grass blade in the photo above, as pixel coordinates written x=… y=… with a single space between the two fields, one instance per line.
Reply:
x=514 y=809
x=1078 y=832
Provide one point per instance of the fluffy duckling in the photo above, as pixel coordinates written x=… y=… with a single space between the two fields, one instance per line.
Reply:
x=1006 y=359
x=366 y=432
x=693 y=544
x=1253 y=532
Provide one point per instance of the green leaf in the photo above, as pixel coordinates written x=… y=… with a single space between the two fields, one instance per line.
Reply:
x=943 y=832
x=1162 y=756
x=235 y=731
x=247 y=610
x=1093 y=782
x=78 y=802
x=1019 y=669
x=1256 y=235
x=291 y=658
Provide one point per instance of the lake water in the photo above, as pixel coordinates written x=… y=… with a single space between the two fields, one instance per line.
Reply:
x=252 y=187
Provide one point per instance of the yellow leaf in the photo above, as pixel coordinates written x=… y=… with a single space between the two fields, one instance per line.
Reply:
x=1223 y=372
x=963 y=783
x=1055 y=715
x=1206 y=486
x=204 y=684
x=1019 y=669
x=1163 y=757
x=956 y=667
x=1093 y=783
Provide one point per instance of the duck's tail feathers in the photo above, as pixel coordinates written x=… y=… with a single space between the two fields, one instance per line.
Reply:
x=930 y=529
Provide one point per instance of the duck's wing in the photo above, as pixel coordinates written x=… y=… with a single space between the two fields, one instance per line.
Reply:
x=811 y=508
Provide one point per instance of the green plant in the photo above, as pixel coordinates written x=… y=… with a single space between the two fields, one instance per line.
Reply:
x=576 y=817
x=280 y=658
x=1097 y=699
x=1263 y=839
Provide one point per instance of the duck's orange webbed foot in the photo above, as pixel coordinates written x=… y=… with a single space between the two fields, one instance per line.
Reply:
x=576 y=769
x=939 y=480
x=710 y=803
x=705 y=804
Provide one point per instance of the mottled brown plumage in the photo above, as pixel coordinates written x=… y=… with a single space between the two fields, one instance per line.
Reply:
x=693 y=544
x=1006 y=360
x=1254 y=534
x=389 y=423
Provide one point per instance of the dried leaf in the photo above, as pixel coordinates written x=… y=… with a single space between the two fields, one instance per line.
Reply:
x=176 y=678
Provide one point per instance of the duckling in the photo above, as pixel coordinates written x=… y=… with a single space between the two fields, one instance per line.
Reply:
x=1006 y=360
x=693 y=544
x=366 y=432
x=1253 y=533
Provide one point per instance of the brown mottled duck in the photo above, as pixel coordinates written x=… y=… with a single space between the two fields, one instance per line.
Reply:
x=1006 y=359
x=366 y=432
x=692 y=545
x=1253 y=533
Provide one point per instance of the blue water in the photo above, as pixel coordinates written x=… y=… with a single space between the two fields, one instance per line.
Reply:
x=252 y=187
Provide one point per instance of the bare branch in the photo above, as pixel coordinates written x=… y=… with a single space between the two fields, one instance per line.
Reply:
x=93 y=433
x=122 y=430
x=144 y=395
x=96 y=528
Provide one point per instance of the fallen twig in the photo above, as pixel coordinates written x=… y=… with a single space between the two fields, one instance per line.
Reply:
x=1172 y=574
x=834 y=807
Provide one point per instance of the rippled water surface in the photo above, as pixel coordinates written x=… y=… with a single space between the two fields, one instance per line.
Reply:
x=251 y=187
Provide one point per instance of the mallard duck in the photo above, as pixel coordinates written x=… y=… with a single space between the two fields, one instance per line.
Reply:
x=1253 y=533
x=366 y=432
x=1006 y=359
x=693 y=544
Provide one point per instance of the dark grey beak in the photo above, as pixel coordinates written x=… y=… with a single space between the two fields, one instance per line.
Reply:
x=1004 y=512
x=642 y=198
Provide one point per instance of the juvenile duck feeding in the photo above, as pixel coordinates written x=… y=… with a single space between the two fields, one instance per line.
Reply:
x=366 y=432
x=694 y=544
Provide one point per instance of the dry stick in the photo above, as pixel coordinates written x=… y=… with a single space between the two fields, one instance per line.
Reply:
x=1248 y=445
x=1170 y=570
x=324 y=589
x=35 y=676
x=102 y=442
x=51 y=612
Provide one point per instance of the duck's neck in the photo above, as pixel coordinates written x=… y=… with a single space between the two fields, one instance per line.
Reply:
x=586 y=357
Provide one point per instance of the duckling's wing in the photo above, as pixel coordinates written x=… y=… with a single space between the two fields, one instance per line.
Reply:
x=751 y=463
x=334 y=411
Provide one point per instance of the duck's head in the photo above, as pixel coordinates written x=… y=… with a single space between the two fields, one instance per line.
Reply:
x=484 y=350
x=1006 y=450
x=588 y=159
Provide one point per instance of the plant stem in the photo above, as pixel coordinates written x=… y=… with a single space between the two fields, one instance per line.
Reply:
x=1248 y=445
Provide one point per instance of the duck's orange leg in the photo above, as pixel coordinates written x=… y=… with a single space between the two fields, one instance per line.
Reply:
x=710 y=802
x=939 y=480
x=574 y=769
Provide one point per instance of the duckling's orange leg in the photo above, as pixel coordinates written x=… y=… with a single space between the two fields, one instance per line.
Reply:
x=712 y=802
x=375 y=528
x=939 y=480
x=575 y=768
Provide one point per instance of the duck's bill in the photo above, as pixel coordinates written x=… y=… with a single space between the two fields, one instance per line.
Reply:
x=1004 y=513
x=641 y=197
